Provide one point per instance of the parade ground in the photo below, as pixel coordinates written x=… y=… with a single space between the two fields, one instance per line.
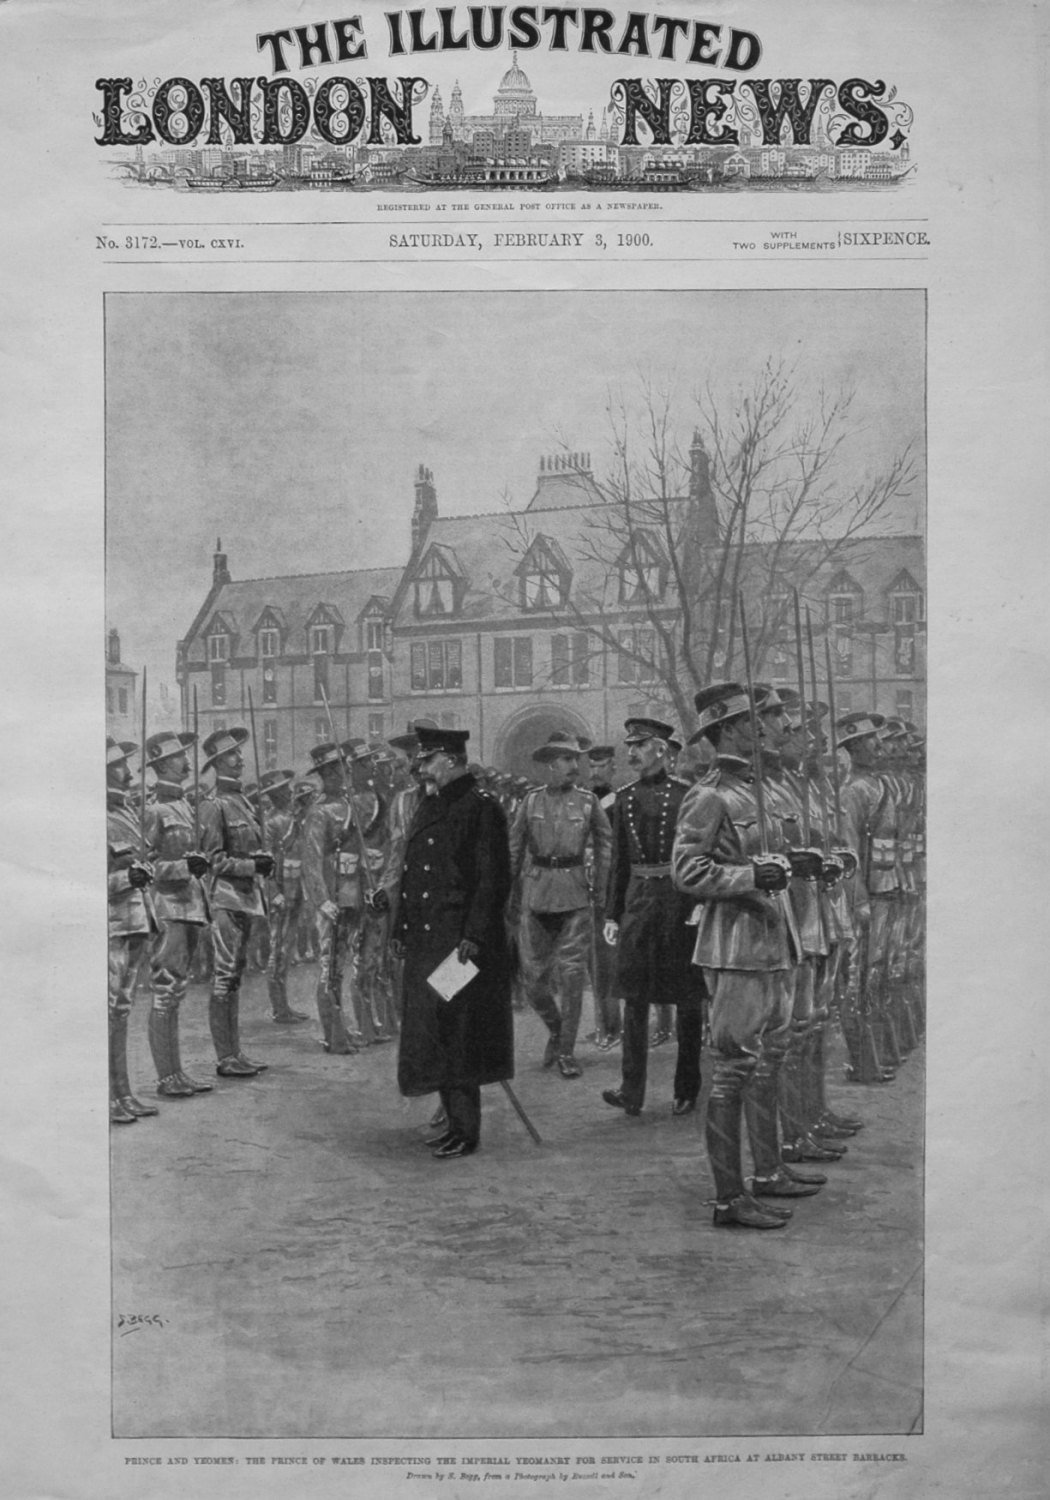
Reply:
x=307 y=1270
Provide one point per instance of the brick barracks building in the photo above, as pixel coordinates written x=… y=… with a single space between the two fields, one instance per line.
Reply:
x=468 y=630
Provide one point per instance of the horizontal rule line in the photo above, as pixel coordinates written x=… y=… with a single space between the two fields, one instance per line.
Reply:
x=473 y=260
x=383 y=223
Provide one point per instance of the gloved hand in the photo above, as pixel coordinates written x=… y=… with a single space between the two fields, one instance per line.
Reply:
x=772 y=872
x=377 y=900
x=807 y=864
x=198 y=863
x=329 y=910
x=611 y=933
x=848 y=858
x=832 y=871
x=140 y=875
x=467 y=952
x=264 y=864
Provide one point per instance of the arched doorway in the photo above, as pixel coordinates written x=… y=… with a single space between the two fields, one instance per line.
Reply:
x=528 y=729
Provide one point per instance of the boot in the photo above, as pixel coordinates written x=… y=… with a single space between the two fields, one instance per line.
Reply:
x=722 y=1133
x=886 y=1037
x=280 y=1011
x=120 y=1088
x=869 y=1067
x=760 y=1113
x=800 y=1145
x=234 y=1003
x=902 y=1016
x=335 y=1039
x=733 y=1205
x=815 y=1114
x=224 y=1039
x=163 y=1031
x=118 y=1115
x=789 y=1100
x=821 y=1112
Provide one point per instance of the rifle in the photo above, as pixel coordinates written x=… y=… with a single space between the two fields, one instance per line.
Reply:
x=258 y=774
x=355 y=817
x=756 y=753
x=836 y=787
x=142 y=778
x=196 y=775
x=806 y=830
x=821 y=791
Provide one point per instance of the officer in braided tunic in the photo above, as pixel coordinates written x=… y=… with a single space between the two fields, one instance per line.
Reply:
x=647 y=919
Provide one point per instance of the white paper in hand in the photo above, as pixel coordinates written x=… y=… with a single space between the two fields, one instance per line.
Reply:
x=451 y=976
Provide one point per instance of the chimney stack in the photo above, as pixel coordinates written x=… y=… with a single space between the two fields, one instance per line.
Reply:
x=426 y=507
x=220 y=572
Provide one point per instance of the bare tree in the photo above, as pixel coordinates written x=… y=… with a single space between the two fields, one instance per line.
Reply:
x=760 y=501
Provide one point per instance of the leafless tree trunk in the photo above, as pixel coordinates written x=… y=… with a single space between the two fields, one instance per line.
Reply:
x=662 y=549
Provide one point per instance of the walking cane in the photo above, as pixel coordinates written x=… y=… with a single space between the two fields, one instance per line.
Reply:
x=522 y=1116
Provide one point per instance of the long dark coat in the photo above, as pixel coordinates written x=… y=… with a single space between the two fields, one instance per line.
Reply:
x=454 y=885
x=654 y=956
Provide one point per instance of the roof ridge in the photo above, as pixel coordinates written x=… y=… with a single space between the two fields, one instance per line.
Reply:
x=319 y=573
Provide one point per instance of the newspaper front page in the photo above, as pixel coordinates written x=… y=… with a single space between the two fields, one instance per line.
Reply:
x=563 y=378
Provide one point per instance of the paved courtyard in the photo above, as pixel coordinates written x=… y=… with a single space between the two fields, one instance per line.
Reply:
x=312 y=1272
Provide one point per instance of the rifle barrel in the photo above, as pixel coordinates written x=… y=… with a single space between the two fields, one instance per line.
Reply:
x=756 y=752
x=196 y=774
x=821 y=792
x=836 y=788
x=806 y=830
x=258 y=773
x=142 y=777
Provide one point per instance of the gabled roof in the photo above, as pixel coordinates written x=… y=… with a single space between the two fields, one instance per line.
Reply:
x=489 y=550
x=295 y=599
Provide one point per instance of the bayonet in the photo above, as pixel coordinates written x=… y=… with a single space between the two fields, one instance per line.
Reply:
x=756 y=751
x=803 y=723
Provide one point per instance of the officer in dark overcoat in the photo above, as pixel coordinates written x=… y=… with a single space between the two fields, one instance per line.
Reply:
x=454 y=887
x=647 y=919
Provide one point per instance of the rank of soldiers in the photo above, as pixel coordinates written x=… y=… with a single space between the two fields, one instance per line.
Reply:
x=760 y=886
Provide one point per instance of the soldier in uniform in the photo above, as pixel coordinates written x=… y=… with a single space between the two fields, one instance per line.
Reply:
x=602 y=759
x=131 y=926
x=180 y=904
x=231 y=836
x=647 y=920
x=806 y=1063
x=454 y=887
x=869 y=812
x=370 y=982
x=283 y=832
x=332 y=880
x=554 y=829
x=746 y=944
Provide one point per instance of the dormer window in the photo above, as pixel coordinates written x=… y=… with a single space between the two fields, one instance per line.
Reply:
x=320 y=640
x=643 y=570
x=218 y=647
x=907 y=601
x=269 y=630
x=439 y=585
x=544 y=576
x=845 y=600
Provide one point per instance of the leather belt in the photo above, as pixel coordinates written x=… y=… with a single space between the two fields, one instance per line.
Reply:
x=557 y=861
x=650 y=872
